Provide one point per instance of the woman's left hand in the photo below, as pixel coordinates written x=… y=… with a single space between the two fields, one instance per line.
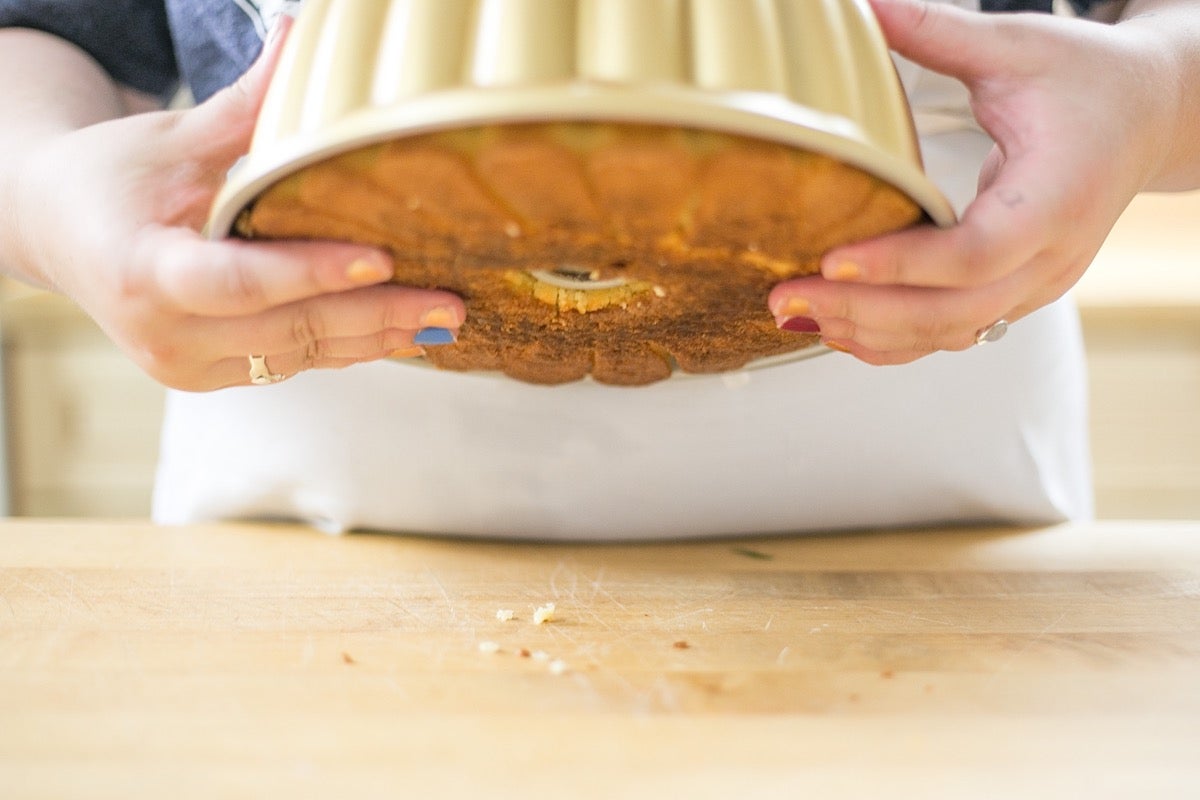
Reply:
x=1082 y=114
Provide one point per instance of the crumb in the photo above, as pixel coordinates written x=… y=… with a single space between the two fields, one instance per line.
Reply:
x=540 y=655
x=348 y=659
x=557 y=666
x=489 y=647
x=543 y=614
x=755 y=554
x=681 y=645
x=523 y=652
x=854 y=698
x=505 y=614
x=887 y=673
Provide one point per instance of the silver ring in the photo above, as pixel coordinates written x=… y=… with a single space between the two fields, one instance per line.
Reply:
x=260 y=373
x=992 y=333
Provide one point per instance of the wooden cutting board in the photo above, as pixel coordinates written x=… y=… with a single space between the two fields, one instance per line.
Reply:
x=239 y=660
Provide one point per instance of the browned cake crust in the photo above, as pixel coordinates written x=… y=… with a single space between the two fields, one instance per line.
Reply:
x=619 y=251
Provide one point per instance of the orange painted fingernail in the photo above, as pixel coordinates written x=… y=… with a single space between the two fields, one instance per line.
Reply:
x=793 y=307
x=847 y=271
x=841 y=348
x=368 y=270
x=408 y=352
x=440 y=317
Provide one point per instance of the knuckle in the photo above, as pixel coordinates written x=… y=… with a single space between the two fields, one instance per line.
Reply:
x=838 y=306
x=842 y=329
x=138 y=280
x=166 y=362
x=394 y=315
x=982 y=260
x=315 y=354
x=925 y=16
x=894 y=269
x=243 y=285
x=307 y=327
x=388 y=340
x=932 y=333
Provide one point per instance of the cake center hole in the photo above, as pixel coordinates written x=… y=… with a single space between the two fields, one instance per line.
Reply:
x=577 y=278
x=574 y=273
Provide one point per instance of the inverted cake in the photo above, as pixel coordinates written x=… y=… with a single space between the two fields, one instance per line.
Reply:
x=613 y=186
x=612 y=250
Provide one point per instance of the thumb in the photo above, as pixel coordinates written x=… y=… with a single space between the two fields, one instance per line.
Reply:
x=223 y=125
x=967 y=45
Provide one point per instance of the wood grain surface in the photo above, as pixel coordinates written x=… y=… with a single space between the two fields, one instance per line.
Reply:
x=273 y=661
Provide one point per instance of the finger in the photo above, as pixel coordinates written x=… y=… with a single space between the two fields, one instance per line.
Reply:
x=880 y=341
x=223 y=125
x=899 y=318
x=1002 y=229
x=1018 y=214
x=232 y=277
x=330 y=354
x=992 y=168
x=307 y=326
x=879 y=358
x=944 y=38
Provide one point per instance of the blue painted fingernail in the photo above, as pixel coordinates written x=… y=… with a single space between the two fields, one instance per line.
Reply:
x=432 y=336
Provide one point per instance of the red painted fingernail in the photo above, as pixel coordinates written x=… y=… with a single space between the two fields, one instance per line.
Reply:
x=800 y=325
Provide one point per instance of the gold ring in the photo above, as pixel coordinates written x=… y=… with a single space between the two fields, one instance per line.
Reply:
x=260 y=373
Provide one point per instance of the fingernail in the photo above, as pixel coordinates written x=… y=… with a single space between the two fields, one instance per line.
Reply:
x=433 y=336
x=800 y=325
x=841 y=348
x=368 y=270
x=408 y=352
x=793 y=307
x=846 y=271
x=440 y=317
x=282 y=22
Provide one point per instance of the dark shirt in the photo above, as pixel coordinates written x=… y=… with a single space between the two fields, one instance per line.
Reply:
x=154 y=45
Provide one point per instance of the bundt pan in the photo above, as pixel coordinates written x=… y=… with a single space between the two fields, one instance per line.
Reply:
x=613 y=186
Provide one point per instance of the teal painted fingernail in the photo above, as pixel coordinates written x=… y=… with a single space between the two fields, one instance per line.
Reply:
x=431 y=336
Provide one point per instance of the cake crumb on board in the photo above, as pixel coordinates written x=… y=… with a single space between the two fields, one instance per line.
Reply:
x=544 y=614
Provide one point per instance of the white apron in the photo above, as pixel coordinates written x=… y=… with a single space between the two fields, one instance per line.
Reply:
x=993 y=434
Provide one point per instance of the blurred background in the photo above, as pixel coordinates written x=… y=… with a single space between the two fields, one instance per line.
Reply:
x=80 y=432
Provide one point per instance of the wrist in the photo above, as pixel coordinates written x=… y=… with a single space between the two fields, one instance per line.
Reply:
x=1167 y=41
x=16 y=251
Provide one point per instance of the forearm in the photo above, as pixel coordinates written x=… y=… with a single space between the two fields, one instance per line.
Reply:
x=1171 y=30
x=50 y=88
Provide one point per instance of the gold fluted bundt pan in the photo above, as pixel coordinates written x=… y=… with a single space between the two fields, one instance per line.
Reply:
x=613 y=186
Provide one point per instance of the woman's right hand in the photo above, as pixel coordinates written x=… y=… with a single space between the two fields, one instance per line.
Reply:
x=111 y=216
